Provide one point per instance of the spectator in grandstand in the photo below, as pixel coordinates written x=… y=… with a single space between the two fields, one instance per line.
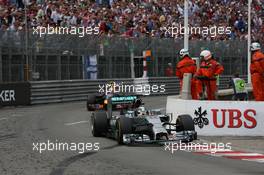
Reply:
x=139 y=18
x=20 y=4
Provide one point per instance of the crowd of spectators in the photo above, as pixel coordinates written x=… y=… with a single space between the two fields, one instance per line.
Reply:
x=135 y=18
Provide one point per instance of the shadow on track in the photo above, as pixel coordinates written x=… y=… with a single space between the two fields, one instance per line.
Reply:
x=8 y=136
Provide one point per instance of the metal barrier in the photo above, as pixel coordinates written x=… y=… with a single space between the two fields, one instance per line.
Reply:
x=62 y=57
x=76 y=90
x=66 y=90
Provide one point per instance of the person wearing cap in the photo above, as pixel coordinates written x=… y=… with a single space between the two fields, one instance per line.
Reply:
x=187 y=65
x=169 y=70
x=208 y=72
x=257 y=71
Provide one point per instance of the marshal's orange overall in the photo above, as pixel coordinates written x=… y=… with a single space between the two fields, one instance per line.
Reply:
x=209 y=69
x=187 y=65
x=257 y=75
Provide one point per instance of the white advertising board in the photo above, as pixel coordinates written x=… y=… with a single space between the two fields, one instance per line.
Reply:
x=221 y=118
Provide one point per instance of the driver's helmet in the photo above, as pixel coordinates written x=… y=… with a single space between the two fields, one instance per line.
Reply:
x=141 y=110
x=113 y=86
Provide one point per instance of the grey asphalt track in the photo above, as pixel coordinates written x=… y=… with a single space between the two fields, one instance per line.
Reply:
x=21 y=127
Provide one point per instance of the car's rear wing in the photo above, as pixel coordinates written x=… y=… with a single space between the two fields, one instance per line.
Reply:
x=123 y=99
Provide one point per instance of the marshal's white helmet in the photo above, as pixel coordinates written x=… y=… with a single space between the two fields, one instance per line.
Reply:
x=255 y=46
x=206 y=54
x=183 y=52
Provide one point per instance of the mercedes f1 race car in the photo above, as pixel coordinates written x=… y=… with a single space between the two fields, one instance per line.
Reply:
x=135 y=124
x=97 y=102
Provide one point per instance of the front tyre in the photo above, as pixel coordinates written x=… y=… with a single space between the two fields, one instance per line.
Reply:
x=185 y=123
x=123 y=126
x=99 y=123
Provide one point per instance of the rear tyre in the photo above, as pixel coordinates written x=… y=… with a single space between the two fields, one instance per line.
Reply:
x=91 y=99
x=185 y=123
x=99 y=123
x=124 y=126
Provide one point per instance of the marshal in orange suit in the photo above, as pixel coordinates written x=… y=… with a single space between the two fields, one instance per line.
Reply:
x=207 y=74
x=257 y=71
x=187 y=65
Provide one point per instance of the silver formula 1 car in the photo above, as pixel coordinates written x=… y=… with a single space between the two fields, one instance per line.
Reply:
x=138 y=125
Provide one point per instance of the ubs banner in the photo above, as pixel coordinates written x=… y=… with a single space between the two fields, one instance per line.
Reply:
x=12 y=94
x=218 y=118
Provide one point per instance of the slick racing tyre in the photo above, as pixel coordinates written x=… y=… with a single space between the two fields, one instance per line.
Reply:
x=99 y=123
x=185 y=123
x=123 y=126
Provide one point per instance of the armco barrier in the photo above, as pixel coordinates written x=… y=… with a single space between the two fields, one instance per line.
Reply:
x=65 y=91
x=76 y=90
x=13 y=94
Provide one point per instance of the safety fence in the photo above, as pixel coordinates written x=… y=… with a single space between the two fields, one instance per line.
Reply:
x=64 y=57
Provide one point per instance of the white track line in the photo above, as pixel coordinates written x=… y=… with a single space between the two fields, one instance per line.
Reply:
x=237 y=154
x=74 y=123
x=230 y=154
x=242 y=154
x=3 y=118
x=255 y=160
